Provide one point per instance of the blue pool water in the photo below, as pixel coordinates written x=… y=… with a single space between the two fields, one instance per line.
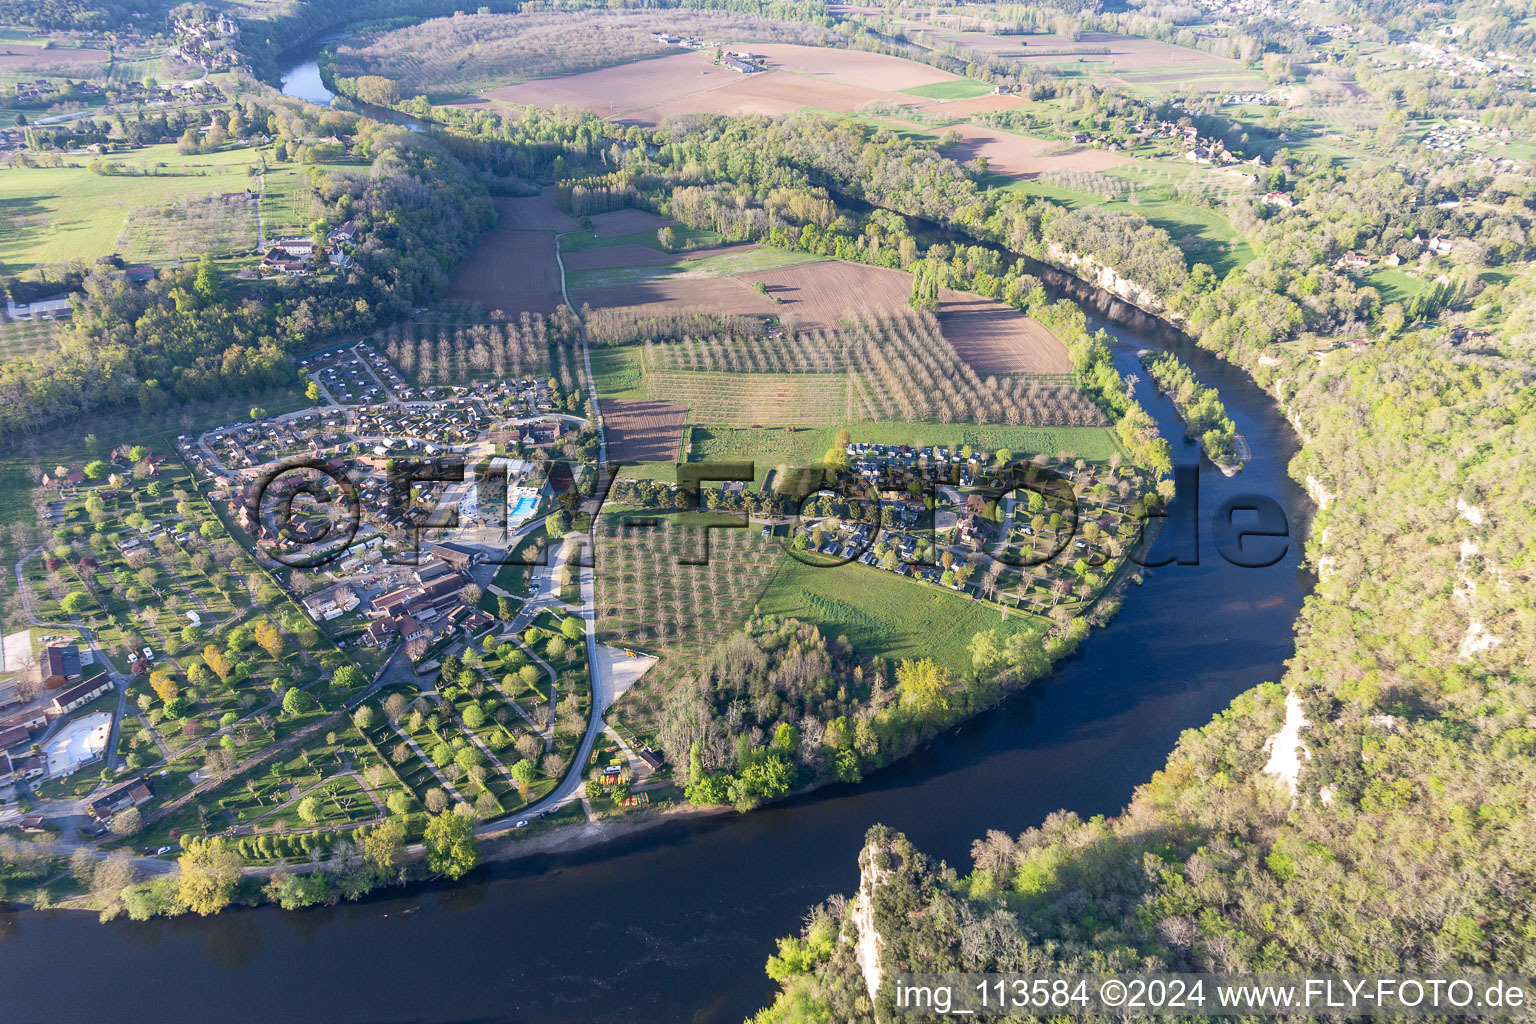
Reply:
x=523 y=509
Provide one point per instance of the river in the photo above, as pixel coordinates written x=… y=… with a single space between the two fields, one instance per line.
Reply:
x=674 y=924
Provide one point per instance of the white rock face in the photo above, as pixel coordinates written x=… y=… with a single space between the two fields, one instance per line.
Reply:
x=1285 y=750
x=869 y=944
x=1471 y=513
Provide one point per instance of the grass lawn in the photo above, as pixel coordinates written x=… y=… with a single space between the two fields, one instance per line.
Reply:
x=887 y=615
x=1205 y=235
x=59 y=214
x=618 y=372
x=1394 y=284
x=960 y=89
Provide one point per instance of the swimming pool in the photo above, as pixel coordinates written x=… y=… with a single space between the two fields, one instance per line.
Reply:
x=522 y=510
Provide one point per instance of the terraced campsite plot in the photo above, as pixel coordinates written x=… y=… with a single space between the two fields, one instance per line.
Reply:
x=513 y=271
x=756 y=399
x=646 y=598
x=641 y=431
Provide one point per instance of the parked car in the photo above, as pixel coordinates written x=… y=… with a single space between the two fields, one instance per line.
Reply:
x=521 y=823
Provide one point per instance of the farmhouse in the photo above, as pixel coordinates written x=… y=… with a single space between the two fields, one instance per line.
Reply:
x=41 y=309
x=80 y=694
x=60 y=666
x=1352 y=261
x=741 y=67
x=133 y=793
x=10 y=691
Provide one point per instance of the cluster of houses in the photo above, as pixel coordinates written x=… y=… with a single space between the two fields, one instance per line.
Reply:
x=58 y=674
x=299 y=256
x=207 y=44
x=1450 y=58
x=874 y=462
x=1453 y=137
x=433 y=603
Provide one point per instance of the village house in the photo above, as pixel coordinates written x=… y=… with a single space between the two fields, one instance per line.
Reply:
x=134 y=792
x=1279 y=199
x=1352 y=261
x=80 y=694
x=60 y=666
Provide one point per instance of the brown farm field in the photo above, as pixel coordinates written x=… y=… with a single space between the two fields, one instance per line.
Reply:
x=991 y=337
x=627 y=222
x=16 y=59
x=607 y=256
x=1023 y=156
x=513 y=271
x=669 y=294
x=640 y=431
x=531 y=213
x=647 y=91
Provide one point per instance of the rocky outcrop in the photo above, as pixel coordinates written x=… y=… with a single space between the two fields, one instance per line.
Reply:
x=1109 y=279
x=875 y=870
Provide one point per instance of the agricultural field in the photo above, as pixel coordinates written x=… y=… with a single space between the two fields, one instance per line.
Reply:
x=19 y=339
x=448 y=57
x=1162 y=192
x=210 y=224
x=640 y=431
x=512 y=271
x=964 y=89
x=757 y=399
x=648 y=597
x=798 y=77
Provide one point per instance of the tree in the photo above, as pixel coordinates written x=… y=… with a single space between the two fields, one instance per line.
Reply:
x=347 y=677
x=164 y=685
x=210 y=870
x=398 y=803
x=74 y=603
x=297 y=702
x=96 y=469
x=270 y=638
x=395 y=706
x=923 y=688
x=384 y=843
x=437 y=800
x=312 y=392
x=309 y=809
x=450 y=844
x=363 y=718
x=573 y=627
x=127 y=822
x=523 y=773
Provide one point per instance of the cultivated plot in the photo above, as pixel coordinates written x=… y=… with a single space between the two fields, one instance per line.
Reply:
x=513 y=271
